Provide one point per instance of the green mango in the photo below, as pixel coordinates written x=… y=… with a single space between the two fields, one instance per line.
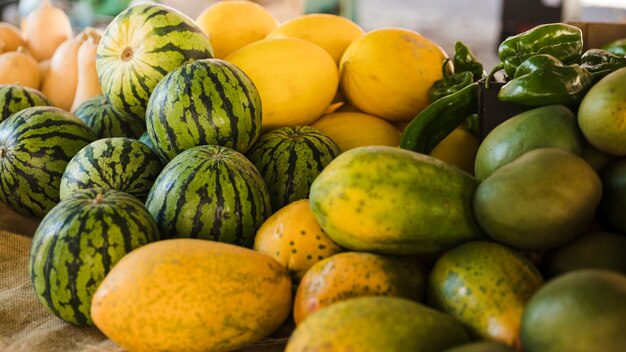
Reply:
x=552 y=126
x=614 y=198
x=539 y=201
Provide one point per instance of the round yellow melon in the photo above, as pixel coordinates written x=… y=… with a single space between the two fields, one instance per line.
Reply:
x=297 y=80
x=353 y=129
x=333 y=33
x=387 y=72
x=459 y=148
x=191 y=295
x=293 y=237
x=233 y=24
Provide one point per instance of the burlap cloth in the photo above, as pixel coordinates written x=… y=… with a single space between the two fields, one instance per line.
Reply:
x=24 y=324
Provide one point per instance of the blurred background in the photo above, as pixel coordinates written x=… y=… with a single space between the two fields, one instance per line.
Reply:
x=481 y=24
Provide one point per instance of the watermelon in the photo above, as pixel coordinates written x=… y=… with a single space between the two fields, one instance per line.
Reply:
x=105 y=122
x=14 y=98
x=210 y=192
x=145 y=139
x=289 y=159
x=35 y=146
x=118 y=163
x=77 y=244
x=205 y=102
x=139 y=47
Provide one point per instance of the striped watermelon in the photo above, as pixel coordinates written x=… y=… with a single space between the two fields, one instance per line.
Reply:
x=77 y=244
x=205 y=102
x=289 y=159
x=105 y=122
x=140 y=46
x=210 y=192
x=35 y=146
x=14 y=98
x=118 y=163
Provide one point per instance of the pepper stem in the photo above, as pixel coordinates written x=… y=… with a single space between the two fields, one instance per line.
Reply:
x=493 y=71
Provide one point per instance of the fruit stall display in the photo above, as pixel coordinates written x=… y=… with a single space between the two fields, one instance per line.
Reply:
x=204 y=184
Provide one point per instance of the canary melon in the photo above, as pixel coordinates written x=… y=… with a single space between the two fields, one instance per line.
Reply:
x=331 y=32
x=297 y=80
x=387 y=72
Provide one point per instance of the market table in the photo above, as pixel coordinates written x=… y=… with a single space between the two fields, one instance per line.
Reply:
x=24 y=323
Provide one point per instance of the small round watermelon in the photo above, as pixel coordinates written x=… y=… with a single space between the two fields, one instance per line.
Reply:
x=139 y=47
x=36 y=144
x=105 y=122
x=289 y=159
x=206 y=102
x=119 y=163
x=77 y=244
x=14 y=98
x=210 y=192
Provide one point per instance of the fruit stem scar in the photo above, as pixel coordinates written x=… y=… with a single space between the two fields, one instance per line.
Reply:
x=127 y=54
x=99 y=199
x=3 y=152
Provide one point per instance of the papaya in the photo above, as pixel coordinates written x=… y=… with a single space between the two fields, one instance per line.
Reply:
x=482 y=346
x=613 y=202
x=595 y=250
x=355 y=274
x=191 y=295
x=393 y=201
x=485 y=286
x=293 y=237
x=539 y=201
x=584 y=310
x=374 y=324
x=552 y=126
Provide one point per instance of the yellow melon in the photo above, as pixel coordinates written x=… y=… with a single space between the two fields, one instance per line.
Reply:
x=233 y=24
x=297 y=80
x=459 y=148
x=331 y=32
x=387 y=72
x=191 y=295
x=354 y=129
x=294 y=238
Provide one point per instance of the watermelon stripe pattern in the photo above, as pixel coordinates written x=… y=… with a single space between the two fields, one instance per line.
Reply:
x=210 y=192
x=14 y=98
x=205 y=102
x=139 y=47
x=289 y=159
x=36 y=144
x=78 y=243
x=105 y=122
x=123 y=164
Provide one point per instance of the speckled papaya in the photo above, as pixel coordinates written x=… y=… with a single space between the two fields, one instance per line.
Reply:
x=393 y=201
x=293 y=237
x=354 y=274
x=485 y=286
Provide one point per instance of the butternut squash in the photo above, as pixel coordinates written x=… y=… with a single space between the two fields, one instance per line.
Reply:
x=45 y=29
x=11 y=37
x=59 y=84
x=44 y=67
x=88 y=85
x=18 y=67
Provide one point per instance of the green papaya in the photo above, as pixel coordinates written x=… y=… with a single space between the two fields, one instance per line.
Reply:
x=544 y=127
x=539 y=201
x=485 y=286
x=394 y=201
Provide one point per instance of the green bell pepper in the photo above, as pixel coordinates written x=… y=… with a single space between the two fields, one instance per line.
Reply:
x=439 y=119
x=601 y=62
x=543 y=80
x=563 y=41
x=450 y=83
x=617 y=47
x=465 y=61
